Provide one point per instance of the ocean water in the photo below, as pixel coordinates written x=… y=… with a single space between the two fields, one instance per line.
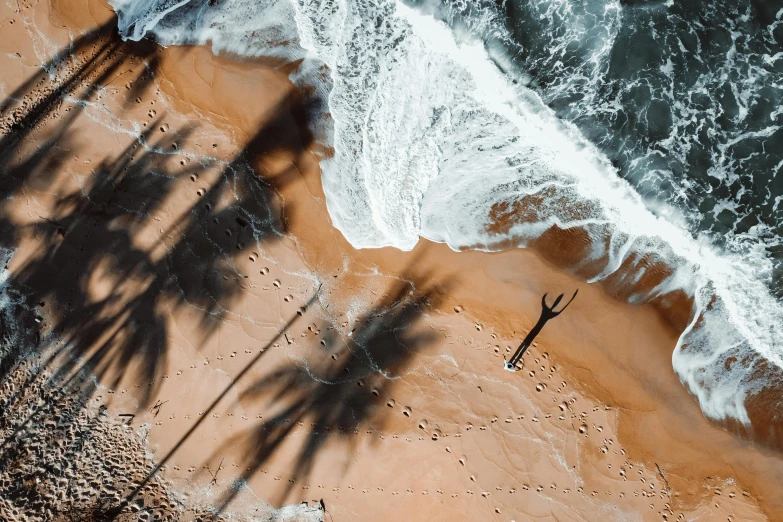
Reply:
x=654 y=126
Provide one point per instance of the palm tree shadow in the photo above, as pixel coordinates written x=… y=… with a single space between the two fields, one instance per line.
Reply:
x=95 y=296
x=338 y=391
x=36 y=139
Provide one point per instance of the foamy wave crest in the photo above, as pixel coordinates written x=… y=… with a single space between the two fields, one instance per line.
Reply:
x=250 y=28
x=432 y=139
x=242 y=27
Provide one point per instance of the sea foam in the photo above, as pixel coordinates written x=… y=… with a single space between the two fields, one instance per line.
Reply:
x=430 y=135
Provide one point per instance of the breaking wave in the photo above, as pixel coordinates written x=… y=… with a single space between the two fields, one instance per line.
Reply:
x=479 y=124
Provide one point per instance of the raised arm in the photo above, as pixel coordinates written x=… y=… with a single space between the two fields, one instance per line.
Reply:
x=554 y=314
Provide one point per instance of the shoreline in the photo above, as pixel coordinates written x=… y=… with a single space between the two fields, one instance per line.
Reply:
x=618 y=354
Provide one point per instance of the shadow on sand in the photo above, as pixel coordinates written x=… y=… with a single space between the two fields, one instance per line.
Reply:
x=332 y=394
x=89 y=304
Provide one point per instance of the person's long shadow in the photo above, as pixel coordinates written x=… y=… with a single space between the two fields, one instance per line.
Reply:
x=338 y=390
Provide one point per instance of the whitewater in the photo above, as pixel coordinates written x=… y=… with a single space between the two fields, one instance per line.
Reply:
x=433 y=125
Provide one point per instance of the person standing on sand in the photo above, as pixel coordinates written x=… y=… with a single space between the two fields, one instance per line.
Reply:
x=547 y=313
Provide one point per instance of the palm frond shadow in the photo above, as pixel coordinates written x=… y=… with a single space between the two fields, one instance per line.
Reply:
x=36 y=137
x=338 y=391
x=103 y=277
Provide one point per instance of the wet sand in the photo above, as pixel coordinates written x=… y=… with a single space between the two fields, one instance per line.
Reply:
x=177 y=234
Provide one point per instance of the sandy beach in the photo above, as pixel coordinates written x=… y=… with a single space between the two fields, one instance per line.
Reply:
x=181 y=287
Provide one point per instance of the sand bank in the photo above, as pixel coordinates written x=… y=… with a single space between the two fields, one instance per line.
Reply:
x=175 y=231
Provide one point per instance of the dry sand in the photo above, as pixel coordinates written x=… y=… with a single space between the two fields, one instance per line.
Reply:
x=170 y=238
